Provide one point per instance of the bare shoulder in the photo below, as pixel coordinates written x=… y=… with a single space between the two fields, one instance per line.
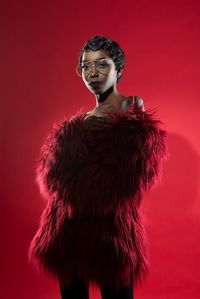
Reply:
x=136 y=101
x=127 y=102
x=139 y=103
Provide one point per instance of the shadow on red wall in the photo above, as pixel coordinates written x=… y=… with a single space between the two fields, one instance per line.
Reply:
x=173 y=225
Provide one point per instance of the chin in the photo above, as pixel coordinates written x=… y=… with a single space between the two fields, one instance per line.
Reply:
x=95 y=91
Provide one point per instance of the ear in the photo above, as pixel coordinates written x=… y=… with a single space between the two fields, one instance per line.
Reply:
x=119 y=72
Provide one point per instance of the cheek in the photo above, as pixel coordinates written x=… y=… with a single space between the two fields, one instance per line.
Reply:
x=112 y=75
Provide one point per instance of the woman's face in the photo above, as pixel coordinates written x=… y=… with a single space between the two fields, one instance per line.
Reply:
x=98 y=71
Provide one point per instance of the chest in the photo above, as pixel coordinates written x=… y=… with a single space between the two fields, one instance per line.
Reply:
x=121 y=105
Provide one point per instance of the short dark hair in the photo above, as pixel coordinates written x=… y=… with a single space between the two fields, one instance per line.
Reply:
x=112 y=48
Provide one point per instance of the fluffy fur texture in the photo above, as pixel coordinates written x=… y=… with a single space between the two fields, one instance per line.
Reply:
x=93 y=173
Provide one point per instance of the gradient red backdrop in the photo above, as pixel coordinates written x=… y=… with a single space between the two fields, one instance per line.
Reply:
x=39 y=48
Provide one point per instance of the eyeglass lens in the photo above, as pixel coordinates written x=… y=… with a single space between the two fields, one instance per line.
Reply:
x=100 y=65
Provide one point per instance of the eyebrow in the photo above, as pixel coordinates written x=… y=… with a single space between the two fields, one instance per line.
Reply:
x=95 y=59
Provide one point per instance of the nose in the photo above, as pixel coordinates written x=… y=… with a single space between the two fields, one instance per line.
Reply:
x=93 y=71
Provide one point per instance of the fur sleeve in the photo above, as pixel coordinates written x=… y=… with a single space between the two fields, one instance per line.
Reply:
x=59 y=158
x=142 y=149
x=152 y=150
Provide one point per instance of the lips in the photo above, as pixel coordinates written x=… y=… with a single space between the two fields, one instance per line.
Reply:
x=94 y=83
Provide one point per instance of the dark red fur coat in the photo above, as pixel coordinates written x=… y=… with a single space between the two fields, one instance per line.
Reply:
x=94 y=174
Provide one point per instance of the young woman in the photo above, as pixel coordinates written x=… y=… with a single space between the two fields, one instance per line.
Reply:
x=94 y=170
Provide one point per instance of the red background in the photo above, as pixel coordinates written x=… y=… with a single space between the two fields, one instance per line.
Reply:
x=39 y=48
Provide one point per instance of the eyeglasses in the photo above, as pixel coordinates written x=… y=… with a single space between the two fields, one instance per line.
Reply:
x=101 y=66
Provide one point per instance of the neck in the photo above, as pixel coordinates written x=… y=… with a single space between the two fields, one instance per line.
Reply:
x=107 y=97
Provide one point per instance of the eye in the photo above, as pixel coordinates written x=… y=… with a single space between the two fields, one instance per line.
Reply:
x=85 y=66
x=103 y=64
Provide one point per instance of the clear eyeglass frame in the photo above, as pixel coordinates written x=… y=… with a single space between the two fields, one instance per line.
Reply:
x=100 y=65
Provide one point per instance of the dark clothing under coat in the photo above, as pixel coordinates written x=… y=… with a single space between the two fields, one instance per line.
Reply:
x=94 y=173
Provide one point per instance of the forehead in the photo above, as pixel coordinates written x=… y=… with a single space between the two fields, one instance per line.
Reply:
x=93 y=55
